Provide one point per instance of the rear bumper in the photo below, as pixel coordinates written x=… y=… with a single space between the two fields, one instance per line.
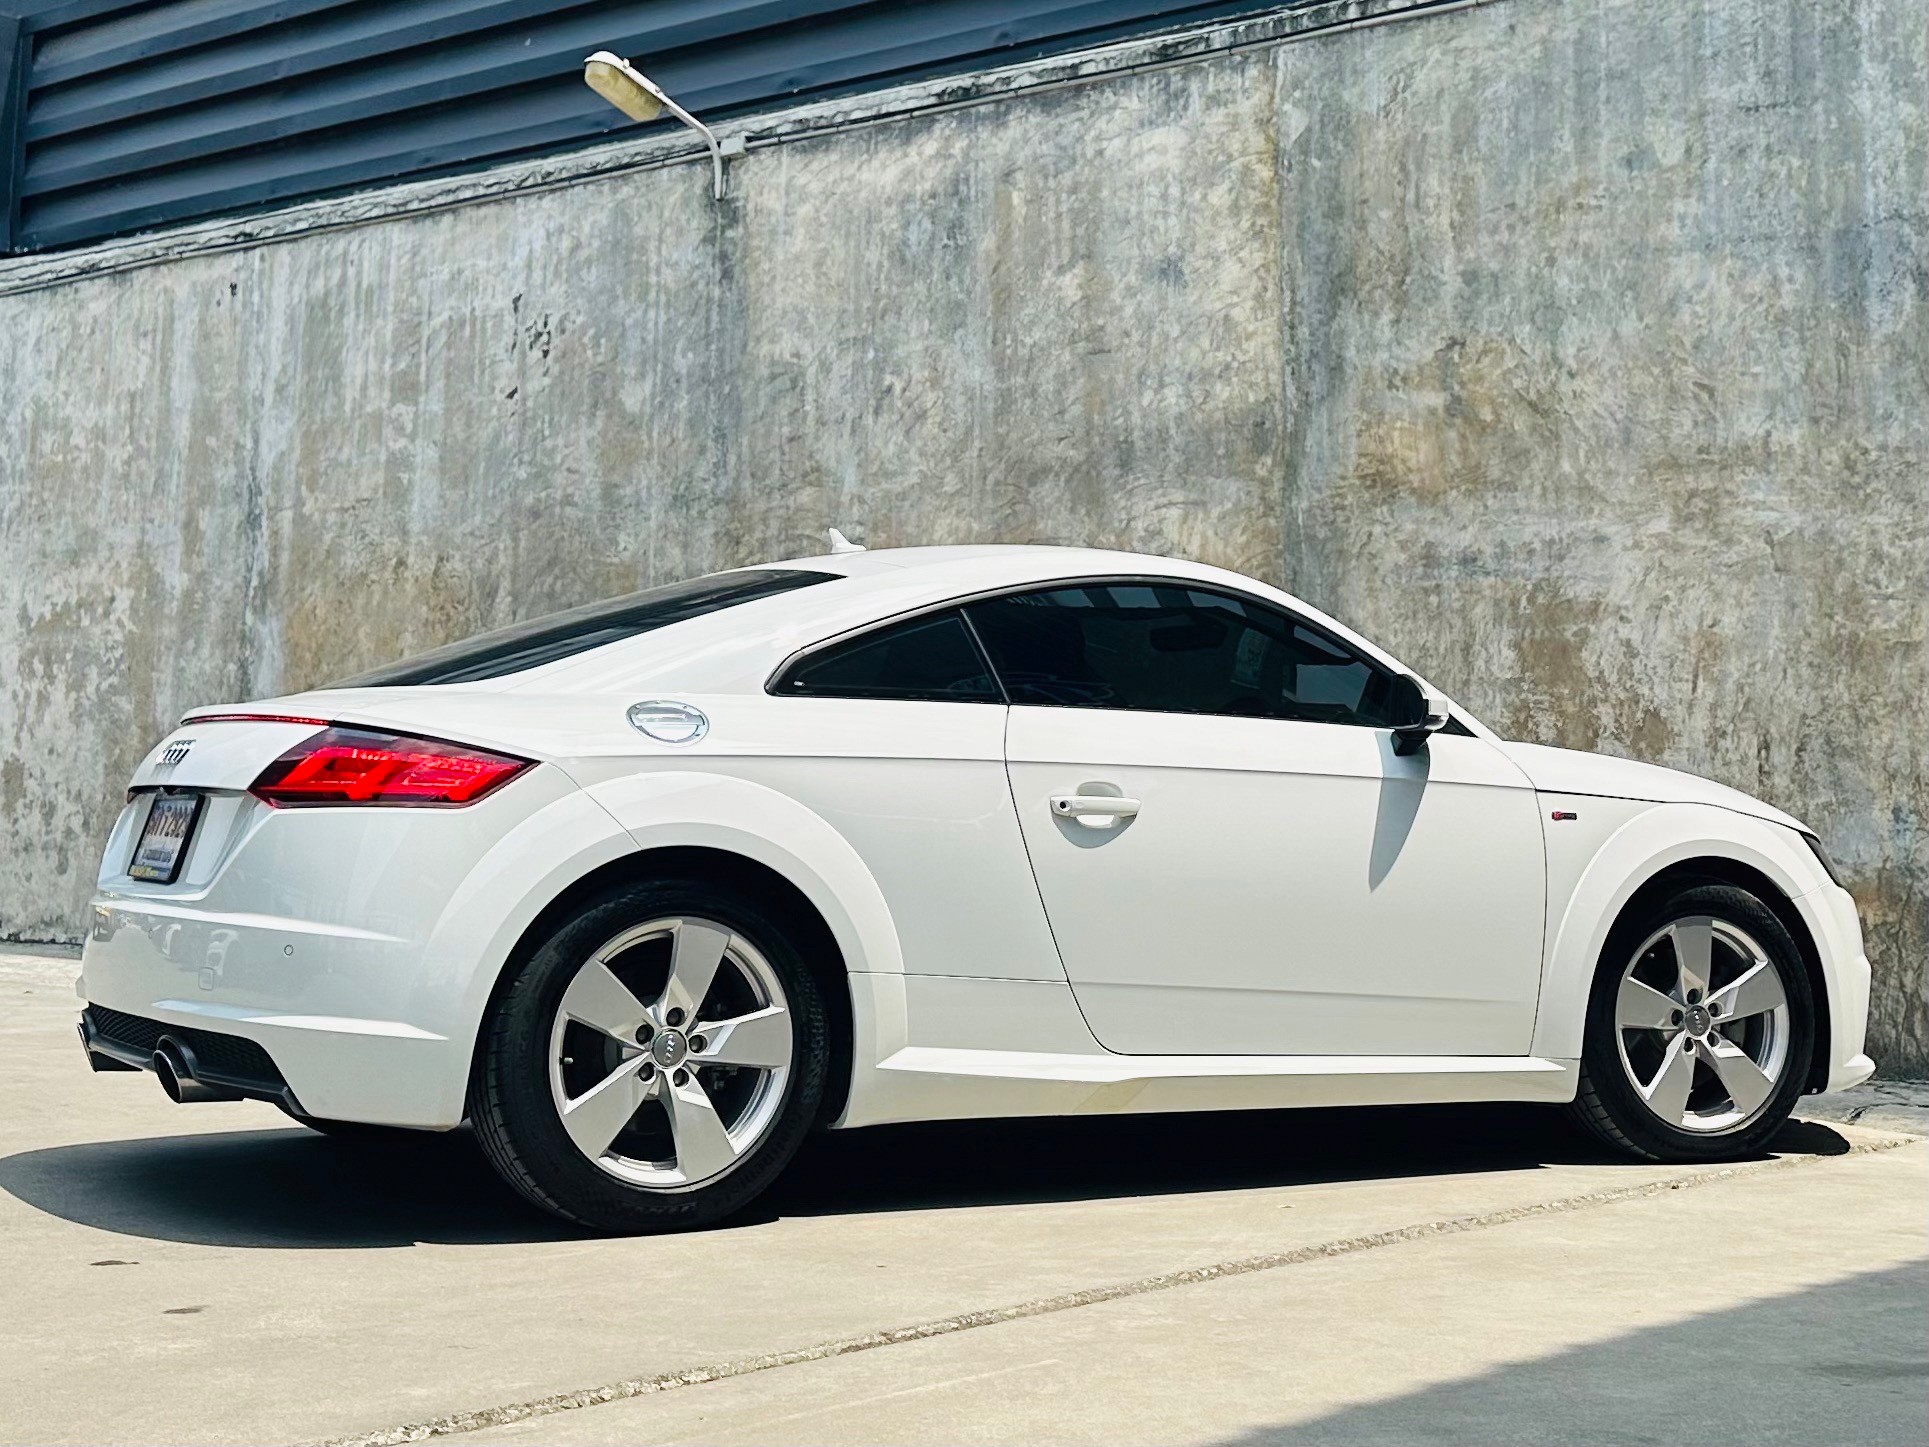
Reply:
x=114 y=1041
x=355 y=947
x=385 y=1072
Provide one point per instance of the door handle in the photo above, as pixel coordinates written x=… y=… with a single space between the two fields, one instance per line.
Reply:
x=1093 y=809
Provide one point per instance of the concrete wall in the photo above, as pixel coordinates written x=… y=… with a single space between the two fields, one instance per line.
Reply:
x=1576 y=349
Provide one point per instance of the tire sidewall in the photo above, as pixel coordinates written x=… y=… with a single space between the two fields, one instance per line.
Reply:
x=1601 y=1055
x=519 y=1118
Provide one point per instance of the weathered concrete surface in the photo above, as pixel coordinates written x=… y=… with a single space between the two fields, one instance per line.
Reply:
x=216 y=1274
x=1568 y=1329
x=1608 y=335
x=1575 y=350
x=1894 y=1105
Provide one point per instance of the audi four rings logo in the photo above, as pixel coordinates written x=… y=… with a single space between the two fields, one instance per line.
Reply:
x=175 y=752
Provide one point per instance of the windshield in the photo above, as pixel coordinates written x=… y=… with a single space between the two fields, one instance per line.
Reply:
x=561 y=635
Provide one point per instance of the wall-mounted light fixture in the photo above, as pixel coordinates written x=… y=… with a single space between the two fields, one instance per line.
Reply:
x=642 y=99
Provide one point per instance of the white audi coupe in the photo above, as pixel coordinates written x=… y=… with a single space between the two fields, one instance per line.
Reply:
x=647 y=890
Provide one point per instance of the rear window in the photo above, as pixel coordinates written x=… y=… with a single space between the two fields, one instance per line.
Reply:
x=562 y=635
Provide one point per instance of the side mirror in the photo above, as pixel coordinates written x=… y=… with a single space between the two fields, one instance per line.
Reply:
x=1417 y=714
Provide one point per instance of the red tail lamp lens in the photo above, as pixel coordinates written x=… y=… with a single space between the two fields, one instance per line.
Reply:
x=360 y=766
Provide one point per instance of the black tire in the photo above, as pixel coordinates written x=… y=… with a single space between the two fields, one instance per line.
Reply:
x=515 y=1116
x=1608 y=1104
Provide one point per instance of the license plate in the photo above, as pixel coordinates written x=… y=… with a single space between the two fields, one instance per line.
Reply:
x=164 y=838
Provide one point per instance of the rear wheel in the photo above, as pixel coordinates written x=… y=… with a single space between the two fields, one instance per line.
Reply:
x=1699 y=1029
x=656 y=1062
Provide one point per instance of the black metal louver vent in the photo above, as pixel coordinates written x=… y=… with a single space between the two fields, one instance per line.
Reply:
x=123 y=115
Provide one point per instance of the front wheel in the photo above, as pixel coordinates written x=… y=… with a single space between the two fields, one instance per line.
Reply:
x=656 y=1062
x=1699 y=1029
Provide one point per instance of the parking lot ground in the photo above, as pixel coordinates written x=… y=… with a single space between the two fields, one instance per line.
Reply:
x=1479 y=1274
x=1696 y=1316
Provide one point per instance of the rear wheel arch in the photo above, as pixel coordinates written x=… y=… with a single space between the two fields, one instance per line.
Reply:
x=1715 y=869
x=809 y=932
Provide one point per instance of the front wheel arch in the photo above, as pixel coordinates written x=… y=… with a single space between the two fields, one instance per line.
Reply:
x=703 y=865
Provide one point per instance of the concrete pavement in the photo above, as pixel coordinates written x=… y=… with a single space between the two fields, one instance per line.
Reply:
x=1704 y=1316
x=213 y=1274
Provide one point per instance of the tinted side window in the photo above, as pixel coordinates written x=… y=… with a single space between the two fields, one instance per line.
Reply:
x=1170 y=648
x=927 y=658
x=562 y=635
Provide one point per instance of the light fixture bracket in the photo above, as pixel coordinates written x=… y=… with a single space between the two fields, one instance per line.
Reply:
x=642 y=99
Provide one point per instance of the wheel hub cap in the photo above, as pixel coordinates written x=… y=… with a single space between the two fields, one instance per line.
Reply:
x=1698 y=1020
x=668 y=1049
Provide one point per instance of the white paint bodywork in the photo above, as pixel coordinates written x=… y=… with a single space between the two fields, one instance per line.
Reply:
x=1274 y=891
x=1294 y=916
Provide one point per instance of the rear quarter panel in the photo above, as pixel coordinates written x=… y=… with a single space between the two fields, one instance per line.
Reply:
x=910 y=797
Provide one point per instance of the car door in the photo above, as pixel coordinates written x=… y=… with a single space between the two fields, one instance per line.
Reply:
x=1272 y=878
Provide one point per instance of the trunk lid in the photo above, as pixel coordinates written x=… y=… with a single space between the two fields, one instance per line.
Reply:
x=212 y=753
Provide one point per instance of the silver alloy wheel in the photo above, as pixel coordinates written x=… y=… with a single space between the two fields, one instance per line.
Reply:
x=1701 y=1021
x=669 y=1053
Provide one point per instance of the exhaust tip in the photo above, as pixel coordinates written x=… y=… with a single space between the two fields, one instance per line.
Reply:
x=173 y=1063
x=169 y=1065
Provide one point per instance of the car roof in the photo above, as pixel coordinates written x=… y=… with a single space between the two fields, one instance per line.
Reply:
x=737 y=649
x=993 y=560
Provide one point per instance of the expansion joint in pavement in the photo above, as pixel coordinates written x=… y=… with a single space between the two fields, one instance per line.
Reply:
x=461 y=1422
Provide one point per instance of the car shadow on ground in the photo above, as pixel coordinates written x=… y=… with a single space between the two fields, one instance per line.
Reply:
x=1005 y=1162
x=289 y=1188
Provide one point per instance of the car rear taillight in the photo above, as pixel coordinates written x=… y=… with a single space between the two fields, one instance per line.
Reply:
x=362 y=766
